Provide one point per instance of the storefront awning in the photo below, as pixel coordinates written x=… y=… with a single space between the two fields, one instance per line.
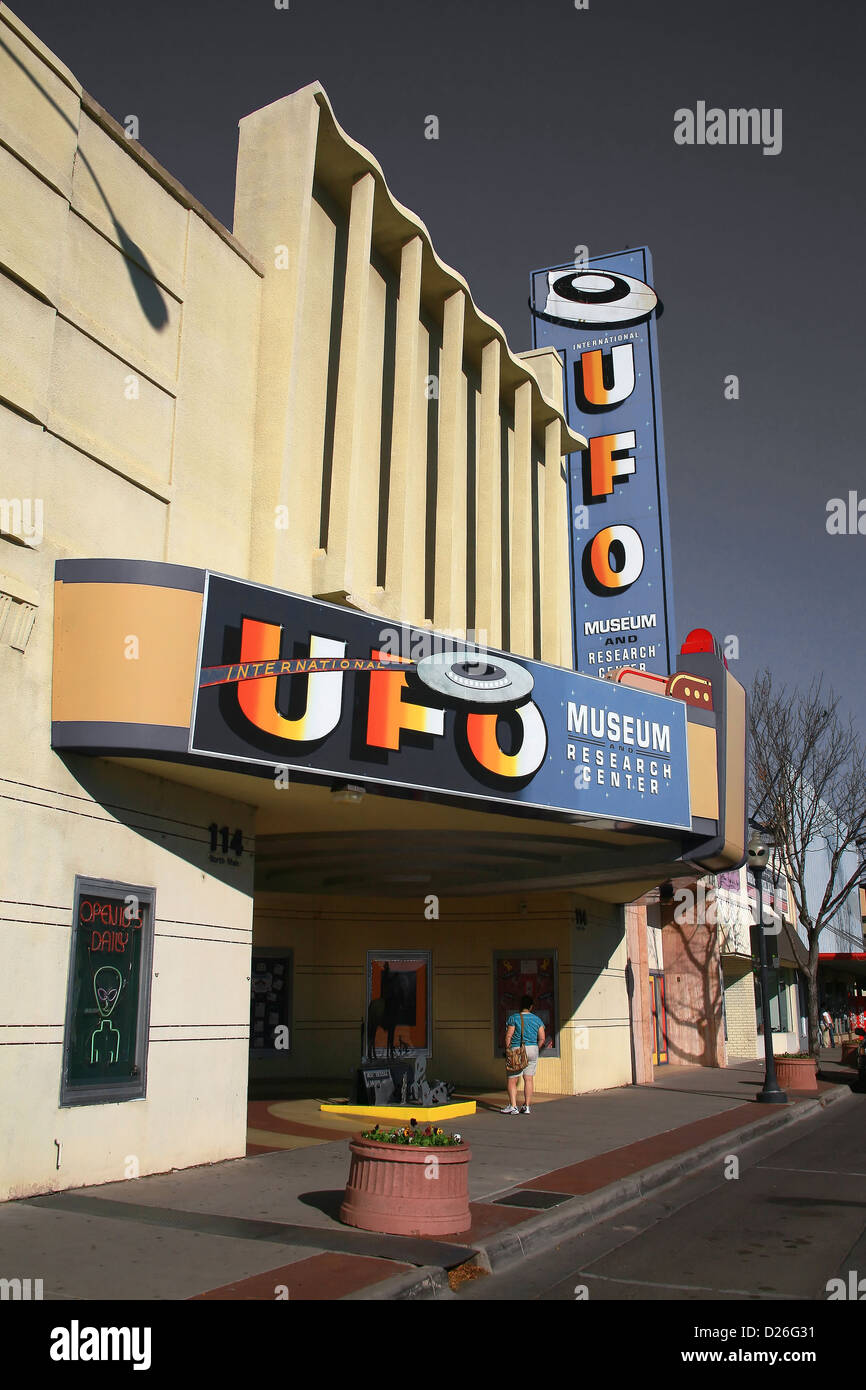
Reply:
x=850 y=963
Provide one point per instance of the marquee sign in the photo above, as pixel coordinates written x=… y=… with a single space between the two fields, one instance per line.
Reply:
x=599 y=315
x=286 y=681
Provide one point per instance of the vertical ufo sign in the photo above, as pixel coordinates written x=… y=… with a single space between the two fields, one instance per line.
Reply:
x=599 y=314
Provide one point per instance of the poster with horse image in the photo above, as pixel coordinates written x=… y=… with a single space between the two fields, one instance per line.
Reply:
x=398 y=1004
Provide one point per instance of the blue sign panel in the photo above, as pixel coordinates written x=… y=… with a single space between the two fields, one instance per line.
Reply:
x=599 y=314
x=291 y=683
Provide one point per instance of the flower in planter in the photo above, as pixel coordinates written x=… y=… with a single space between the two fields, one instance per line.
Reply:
x=406 y=1135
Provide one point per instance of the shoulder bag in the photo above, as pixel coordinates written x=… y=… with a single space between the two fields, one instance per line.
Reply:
x=515 y=1057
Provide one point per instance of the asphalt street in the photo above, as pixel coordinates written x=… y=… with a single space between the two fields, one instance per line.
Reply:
x=782 y=1221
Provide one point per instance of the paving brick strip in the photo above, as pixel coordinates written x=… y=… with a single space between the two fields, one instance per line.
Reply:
x=683 y=1151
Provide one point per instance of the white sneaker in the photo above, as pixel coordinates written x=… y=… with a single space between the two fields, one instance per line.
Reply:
x=509 y=1110
x=525 y=1110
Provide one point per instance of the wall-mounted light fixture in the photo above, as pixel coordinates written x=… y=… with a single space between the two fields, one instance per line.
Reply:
x=349 y=793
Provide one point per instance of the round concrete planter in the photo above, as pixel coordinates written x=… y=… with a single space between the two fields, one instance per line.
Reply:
x=407 y=1189
x=797 y=1073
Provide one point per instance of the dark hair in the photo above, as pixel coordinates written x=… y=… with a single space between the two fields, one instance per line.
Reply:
x=526 y=1001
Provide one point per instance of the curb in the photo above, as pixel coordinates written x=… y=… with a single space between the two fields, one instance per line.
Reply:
x=540 y=1233
x=427 y=1281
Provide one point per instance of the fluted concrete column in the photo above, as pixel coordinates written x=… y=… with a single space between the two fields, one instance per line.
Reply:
x=405 y=569
x=450 y=581
x=349 y=562
x=555 y=599
x=273 y=202
x=521 y=524
x=488 y=554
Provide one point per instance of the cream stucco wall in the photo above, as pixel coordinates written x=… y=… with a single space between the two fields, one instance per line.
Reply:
x=89 y=819
x=128 y=333
x=330 y=936
x=374 y=361
x=163 y=389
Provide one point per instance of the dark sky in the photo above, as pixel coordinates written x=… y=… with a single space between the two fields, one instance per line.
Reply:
x=556 y=129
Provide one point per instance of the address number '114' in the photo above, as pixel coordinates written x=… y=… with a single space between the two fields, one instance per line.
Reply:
x=224 y=839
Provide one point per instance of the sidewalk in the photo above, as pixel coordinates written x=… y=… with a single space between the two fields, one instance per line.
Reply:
x=266 y=1226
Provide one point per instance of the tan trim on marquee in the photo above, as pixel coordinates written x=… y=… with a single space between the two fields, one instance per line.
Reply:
x=703 y=771
x=94 y=681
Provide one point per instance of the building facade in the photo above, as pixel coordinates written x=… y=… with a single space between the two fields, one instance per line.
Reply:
x=305 y=416
x=708 y=935
x=842 y=958
x=736 y=908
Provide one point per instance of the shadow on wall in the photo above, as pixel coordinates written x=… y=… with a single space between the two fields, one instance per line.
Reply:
x=694 y=1011
x=150 y=297
x=147 y=292
x=157 y=815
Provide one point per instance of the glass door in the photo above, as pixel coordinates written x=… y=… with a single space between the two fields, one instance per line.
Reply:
x=659 y=1019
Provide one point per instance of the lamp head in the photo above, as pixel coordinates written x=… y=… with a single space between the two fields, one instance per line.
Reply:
x=758 y=852
x=349 y=793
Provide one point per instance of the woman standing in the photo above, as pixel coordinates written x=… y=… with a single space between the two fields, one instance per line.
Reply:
x=530 y=1030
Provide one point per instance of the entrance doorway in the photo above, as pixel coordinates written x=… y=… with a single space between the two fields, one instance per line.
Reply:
x=659 y=1018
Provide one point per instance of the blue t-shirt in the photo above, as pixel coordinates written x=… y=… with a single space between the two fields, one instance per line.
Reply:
x=531 y=1025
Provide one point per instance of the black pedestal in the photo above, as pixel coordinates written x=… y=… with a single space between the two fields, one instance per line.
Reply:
x=380 y=1070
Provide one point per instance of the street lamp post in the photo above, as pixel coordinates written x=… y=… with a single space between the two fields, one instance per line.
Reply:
x=771 y=1093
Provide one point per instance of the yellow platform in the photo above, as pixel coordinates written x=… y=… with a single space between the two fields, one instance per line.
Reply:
x=425 y=1113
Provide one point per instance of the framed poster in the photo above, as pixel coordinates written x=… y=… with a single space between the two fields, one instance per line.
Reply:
x=108 y=993
x=533 y=972
x=398 y=1004
x=271 y=1001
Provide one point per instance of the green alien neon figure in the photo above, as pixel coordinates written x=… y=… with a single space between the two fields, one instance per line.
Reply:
x=105 y=1040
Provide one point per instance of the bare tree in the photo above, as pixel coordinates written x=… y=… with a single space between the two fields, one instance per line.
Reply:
x=807 y=786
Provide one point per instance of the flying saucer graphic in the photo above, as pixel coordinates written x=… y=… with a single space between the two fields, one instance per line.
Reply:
x=475 y=678
x=597 y=297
